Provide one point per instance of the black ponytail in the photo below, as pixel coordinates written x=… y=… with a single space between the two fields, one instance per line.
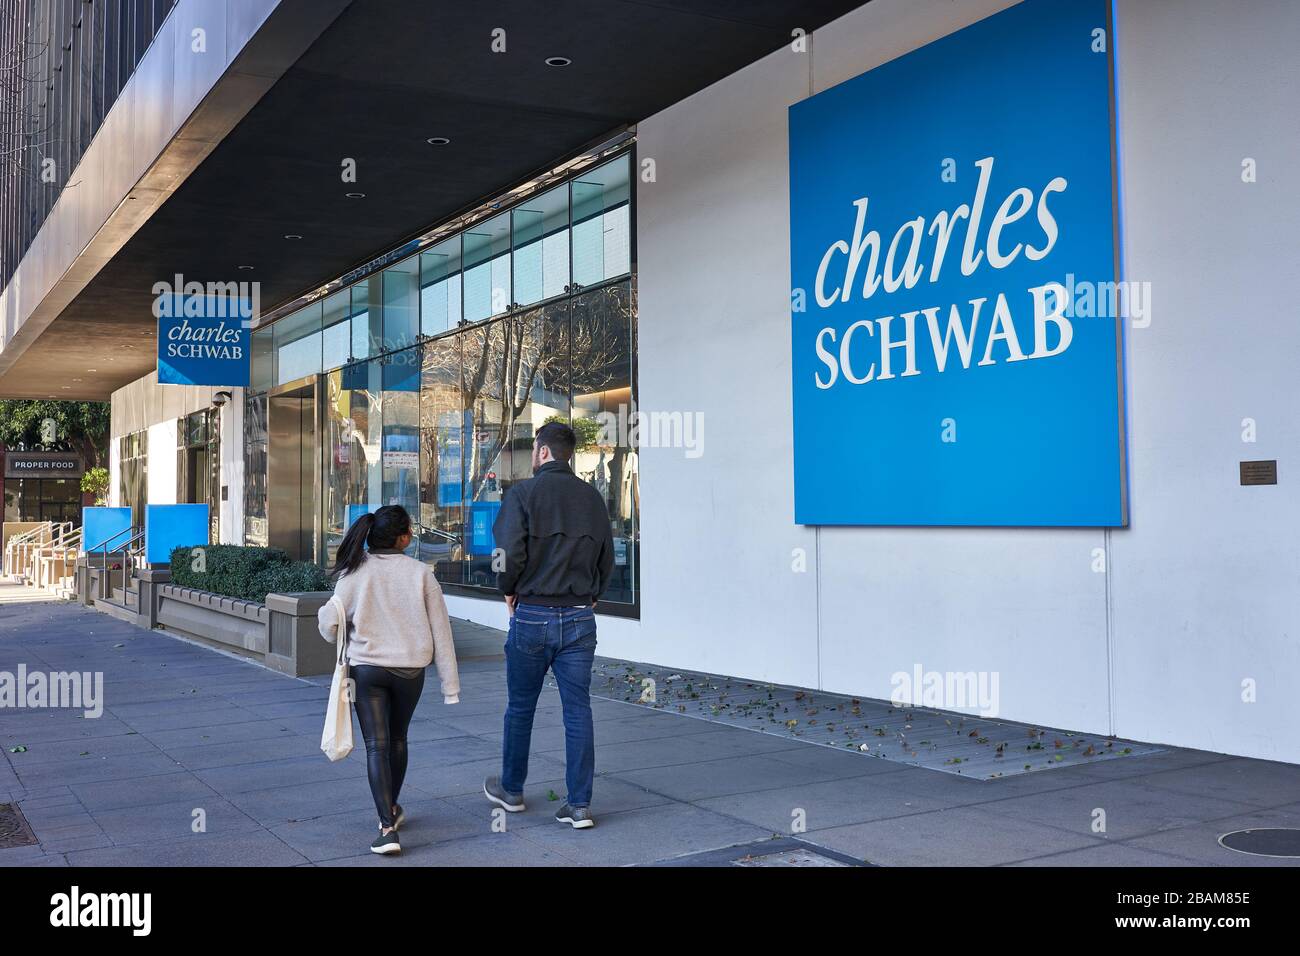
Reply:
x=379 y=529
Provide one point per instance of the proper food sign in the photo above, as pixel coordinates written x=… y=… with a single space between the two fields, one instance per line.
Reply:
x=957 y=342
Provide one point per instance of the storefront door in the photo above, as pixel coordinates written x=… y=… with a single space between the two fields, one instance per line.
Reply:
x=292 y=455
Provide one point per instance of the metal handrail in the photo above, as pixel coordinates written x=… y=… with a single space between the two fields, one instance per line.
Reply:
x=24 y=535
x=71 y=541
x=126 y=561
x=25 y=538
x=111 y=537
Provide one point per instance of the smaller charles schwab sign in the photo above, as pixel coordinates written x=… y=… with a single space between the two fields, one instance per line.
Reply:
x=203 y=340
x=43 y=464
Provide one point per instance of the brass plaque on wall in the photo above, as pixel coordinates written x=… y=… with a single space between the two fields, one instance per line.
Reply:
x=1259 y=472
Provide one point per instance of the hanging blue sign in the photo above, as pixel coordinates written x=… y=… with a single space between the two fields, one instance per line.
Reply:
x=956 y=304
x=203 y=340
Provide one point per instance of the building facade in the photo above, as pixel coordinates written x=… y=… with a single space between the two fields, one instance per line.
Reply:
x=646 y=278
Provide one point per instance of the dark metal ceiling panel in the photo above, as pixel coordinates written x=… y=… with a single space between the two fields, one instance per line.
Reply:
x=383 y=78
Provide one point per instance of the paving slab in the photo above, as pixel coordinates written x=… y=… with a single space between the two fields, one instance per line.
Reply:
x=646 y=835
x=142 y=792
x=959 y=837
x=345 y=834
x=703 y=775
x=495 y=850
x=1200 y=841
x=258 y=848
x=1125 y=808
x=808 y=806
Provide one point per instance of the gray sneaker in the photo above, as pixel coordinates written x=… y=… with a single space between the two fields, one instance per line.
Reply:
x=577 y=817
x=386 y=843
x=492 y=789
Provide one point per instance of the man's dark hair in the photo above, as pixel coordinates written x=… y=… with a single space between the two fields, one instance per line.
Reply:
x=559 y=438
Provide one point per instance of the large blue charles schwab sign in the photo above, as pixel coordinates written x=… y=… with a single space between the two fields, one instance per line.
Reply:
x=957 y=349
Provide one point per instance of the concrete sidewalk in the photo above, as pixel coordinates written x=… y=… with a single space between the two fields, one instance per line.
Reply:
x=190 y=734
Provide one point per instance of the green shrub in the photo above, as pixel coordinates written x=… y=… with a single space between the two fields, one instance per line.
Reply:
x=246 y=573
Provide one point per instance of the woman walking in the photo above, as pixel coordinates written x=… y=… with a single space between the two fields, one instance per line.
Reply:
x=397 y=624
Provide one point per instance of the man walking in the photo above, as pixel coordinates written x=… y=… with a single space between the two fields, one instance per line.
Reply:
x=554 y=530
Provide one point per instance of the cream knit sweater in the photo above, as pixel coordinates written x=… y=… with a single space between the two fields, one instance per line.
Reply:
x=398 y=618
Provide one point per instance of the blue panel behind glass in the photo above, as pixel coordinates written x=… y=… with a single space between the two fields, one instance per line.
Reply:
x=100 y=525
x=173 y=526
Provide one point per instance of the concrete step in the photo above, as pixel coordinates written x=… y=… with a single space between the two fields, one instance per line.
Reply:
x=117 y=611
x=132 y=598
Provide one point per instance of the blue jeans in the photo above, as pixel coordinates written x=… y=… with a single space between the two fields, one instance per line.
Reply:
x=562 y=639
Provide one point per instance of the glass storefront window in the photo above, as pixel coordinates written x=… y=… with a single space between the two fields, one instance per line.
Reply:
x=366 y=311
x=440 y=287
x=336 y=334
x=487 y=268
x=43 y=499
x=255 y=461
x=540 y=371
x=604 y=377
x=401 y=315
x=13 y=499
x=445 y=427
x=298 y=344
x=486 y=445
x=442 y=433
x=132 y=469
x=262 y=374
x=602 y=223
x=401 y=432
x=541 y=246
x=353 y=435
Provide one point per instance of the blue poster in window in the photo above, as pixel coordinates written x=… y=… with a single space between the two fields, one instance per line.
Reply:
x=956 y=309
x=356 y=511
x=482 y=516
x=204 y=339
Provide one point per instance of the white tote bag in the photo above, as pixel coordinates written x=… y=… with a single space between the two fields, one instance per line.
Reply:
x=336 y=738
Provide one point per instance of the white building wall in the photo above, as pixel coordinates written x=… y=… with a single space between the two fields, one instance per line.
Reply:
x=145 y=405
x=1204 y=582
x=114 y=475
x=162 y=463
x=1198 y=594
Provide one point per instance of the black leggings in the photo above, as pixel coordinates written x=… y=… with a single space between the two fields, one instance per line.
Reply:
x=385 y=704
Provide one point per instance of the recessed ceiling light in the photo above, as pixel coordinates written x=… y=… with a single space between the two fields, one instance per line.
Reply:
x=291 y=235
x=245 y=267
x=90 y=370
x=355 y=195
x=558 y=61
x=438 y=141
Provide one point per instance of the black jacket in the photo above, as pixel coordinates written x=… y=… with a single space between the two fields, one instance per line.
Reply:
x=555 y=531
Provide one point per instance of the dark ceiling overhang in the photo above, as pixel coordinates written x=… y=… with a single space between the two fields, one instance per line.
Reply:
x=375 y=85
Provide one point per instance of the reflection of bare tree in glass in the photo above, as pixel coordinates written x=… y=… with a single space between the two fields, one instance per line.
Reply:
x=481 y=386
x=602 y=361
x=440 y=396
x=537 y=359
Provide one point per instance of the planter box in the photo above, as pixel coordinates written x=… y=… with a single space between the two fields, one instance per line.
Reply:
x=224 y=621
x=295 y=645
x=281 y=633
